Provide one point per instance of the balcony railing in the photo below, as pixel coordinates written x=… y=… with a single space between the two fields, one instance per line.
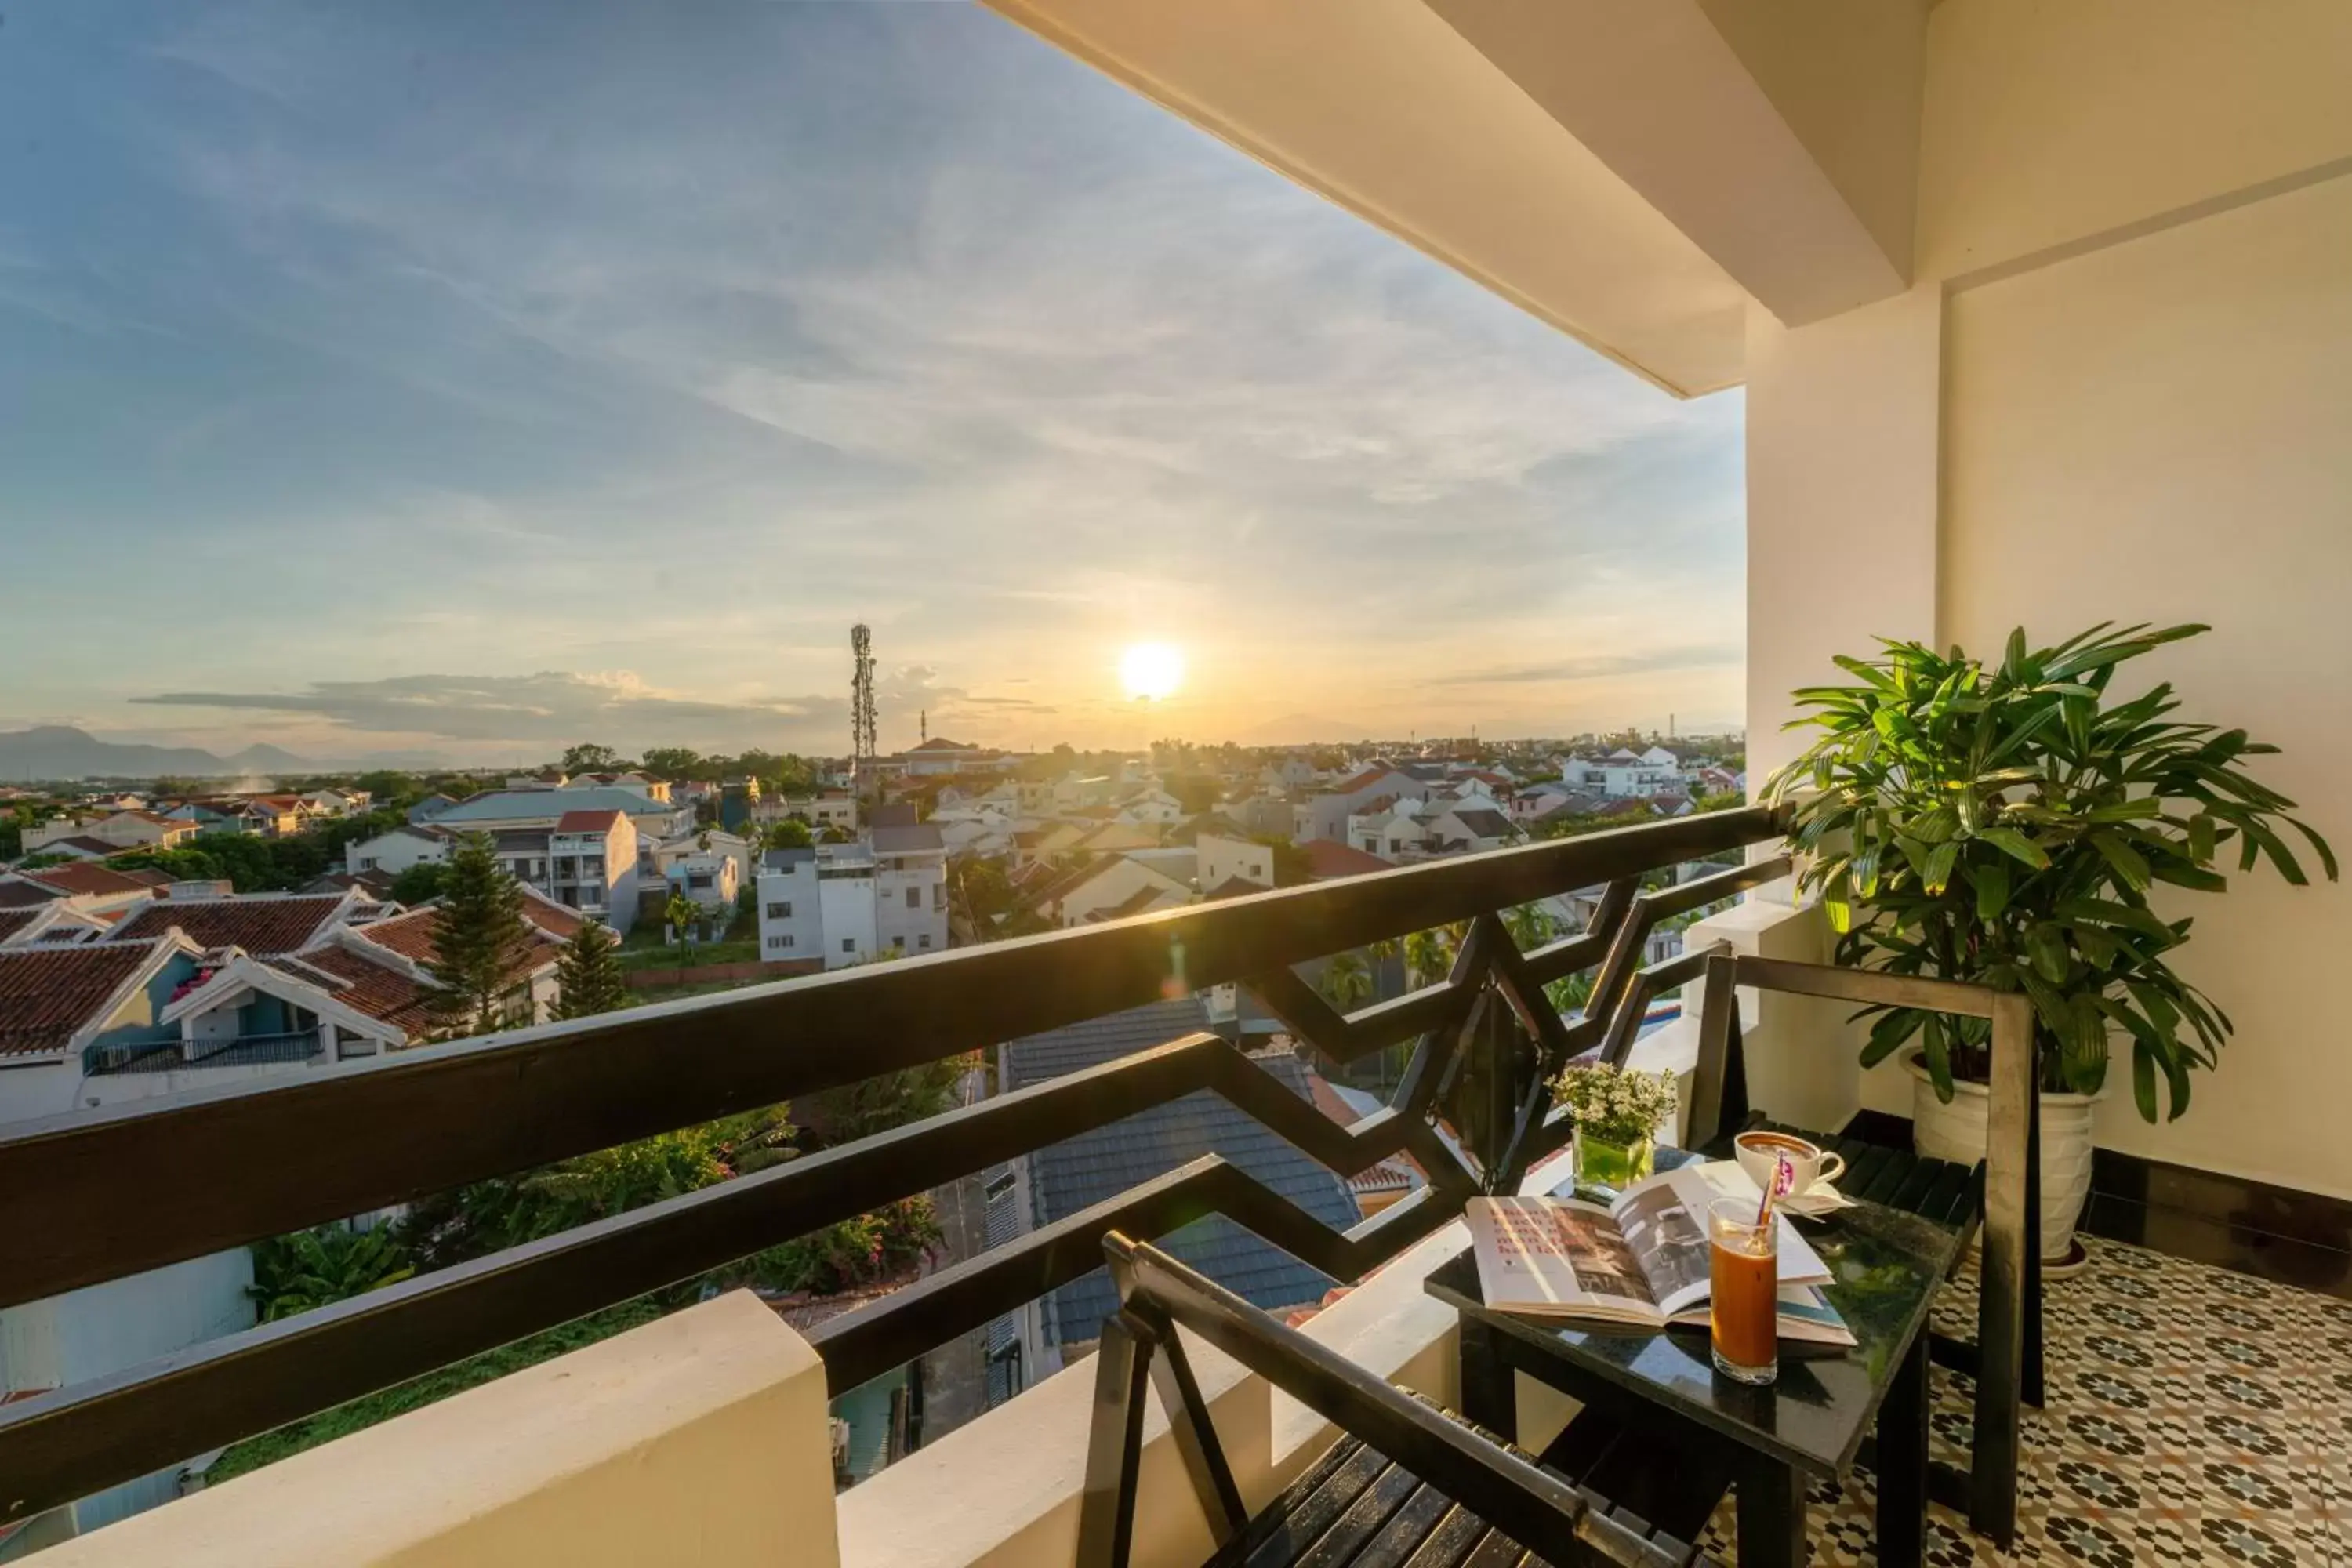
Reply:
x=177 y=1056
x=100 y=1194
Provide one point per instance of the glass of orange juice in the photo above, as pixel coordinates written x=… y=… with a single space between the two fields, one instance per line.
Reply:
x=1744 y=1265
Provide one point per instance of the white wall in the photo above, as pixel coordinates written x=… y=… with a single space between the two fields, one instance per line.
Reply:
x=1222 y=859
x=2162 y=430
x=101 y=1329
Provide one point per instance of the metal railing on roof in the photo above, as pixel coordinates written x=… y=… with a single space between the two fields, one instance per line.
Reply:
x=182 y=1055
x=101 y=1193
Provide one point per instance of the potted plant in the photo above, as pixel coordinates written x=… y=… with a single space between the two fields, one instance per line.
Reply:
x=2006 y=825
x=1616 y=1113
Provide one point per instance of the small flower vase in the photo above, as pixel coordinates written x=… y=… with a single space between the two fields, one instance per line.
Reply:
x=1605 y=1168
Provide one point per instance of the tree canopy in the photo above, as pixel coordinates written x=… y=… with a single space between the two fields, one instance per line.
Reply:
x=477 y=941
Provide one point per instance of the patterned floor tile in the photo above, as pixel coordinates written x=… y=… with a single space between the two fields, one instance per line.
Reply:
x=2195 y=1415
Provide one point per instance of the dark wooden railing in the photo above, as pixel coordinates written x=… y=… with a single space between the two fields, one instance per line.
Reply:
x=102 y=1193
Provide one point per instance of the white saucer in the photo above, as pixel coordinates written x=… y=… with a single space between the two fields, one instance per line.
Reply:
x=1820 y=1201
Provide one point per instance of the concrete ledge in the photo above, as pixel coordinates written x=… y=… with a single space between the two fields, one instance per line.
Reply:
x=699 y=1439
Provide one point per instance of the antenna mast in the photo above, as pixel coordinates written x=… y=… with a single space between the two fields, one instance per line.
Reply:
x=862 y=769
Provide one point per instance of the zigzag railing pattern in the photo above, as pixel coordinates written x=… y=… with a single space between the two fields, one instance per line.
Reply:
x=1486 y=1038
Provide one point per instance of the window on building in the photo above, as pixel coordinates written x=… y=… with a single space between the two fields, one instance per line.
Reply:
x=367 y=863
x=924 y=940
x=849 y=944
x=899 y=943
x=698 y=880
x=938 y=895
x=780 y=942
x=780 y=909
x=914 y=898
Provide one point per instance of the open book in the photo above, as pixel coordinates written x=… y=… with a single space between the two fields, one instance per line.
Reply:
x=1639 y=1262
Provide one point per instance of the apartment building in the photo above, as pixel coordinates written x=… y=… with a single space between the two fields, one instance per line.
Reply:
x=841 y=904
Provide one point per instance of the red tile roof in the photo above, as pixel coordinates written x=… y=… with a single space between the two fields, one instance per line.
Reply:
x=371 y=988
x=410 y=936
x=26 y=895
x=1364 y=779
x=586 y=821
x=14 y=920
x=1327 y=859
x=47 y=994
x=263 y=925
x=97 y=881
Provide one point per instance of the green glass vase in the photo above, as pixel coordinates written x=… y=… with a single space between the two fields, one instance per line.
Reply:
x=1605 y=1167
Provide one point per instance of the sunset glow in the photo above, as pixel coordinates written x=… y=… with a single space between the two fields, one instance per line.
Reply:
x=1151 y=670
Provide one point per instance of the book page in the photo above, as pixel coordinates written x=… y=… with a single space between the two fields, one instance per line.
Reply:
x=1699 y=1185
x=1667 y=1239
x=1559 y=1258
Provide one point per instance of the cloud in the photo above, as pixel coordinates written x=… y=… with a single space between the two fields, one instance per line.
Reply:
x=1601 y=667
x=552 y=706
x=610 y=344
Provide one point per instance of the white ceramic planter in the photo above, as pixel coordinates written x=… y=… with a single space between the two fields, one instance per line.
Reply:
x=1957 y=1131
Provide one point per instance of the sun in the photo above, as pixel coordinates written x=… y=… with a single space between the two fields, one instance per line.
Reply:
x=1151 y=670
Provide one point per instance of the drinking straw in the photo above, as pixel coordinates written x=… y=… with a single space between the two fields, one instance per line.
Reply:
x=1784 y=1176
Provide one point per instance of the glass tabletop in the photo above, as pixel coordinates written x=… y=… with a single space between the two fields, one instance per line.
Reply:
x=1886 y=1264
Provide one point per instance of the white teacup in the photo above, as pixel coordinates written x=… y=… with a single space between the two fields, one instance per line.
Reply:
x=1759 y=1154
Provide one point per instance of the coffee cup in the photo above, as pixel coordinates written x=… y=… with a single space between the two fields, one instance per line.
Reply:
x=1759 y=1154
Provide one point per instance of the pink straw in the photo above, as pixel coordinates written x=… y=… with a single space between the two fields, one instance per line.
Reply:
x=1784 y=1176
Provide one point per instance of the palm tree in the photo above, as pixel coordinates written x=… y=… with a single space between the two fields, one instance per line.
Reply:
x=1530 y=926
x=1429 y=956
x=685 y=917
x=1346 y=980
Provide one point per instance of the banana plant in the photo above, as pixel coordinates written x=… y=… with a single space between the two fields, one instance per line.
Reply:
x=2008 y=825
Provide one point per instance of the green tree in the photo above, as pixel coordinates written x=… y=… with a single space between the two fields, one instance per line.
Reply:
x=1530 y=926
x=685 y=918
x=1346 y=980
x=421 y=883
x=676 y=763
x=589 y=758
x=1429 y=956
x=791 y=833
x=588 y=974
x=292 y=1273
x=878 y=1104
x=478 y=941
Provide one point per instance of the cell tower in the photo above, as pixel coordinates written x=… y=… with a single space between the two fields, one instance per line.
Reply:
x=861 y=710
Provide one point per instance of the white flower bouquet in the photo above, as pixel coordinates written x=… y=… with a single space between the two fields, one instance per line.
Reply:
x=1611 y=1105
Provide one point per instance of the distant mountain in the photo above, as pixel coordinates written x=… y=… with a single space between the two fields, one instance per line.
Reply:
x=61 y=751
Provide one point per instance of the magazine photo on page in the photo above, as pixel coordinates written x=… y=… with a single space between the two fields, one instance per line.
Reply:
x=1639 y=1262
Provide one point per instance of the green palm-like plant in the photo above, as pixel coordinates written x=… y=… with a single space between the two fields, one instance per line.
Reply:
x=1346 y=980
x=292 y=1273
x=1429 y=956
x=1530 y=926
x=2005 y=824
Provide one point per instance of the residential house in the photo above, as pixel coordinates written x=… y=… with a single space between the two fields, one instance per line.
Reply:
x=50 y=925
x=910 y=899
x=266 y=924
x=1463 y=829
x=80 y=847
x=833 y=809
x=841 y=904
x=330 y=802
x=1221 y=858
x=133 y=829
x=707 y=878
x=1325 y=813
x=428 y=809
x=1150 y=806
x=1328 y=861
x=938 y=755
x=58 y=1003
x=1057 y=1182
x=1113 y=887
x=396 y=849
x=1292 y=772
x=94 y=889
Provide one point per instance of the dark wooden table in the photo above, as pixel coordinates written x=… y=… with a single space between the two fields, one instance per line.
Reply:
x=1811 y=1424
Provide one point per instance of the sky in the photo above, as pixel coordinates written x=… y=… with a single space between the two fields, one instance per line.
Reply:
x=476 y=379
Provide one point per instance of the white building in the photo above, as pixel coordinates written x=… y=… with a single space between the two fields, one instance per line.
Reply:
x=1222 y=858
x=840 y=904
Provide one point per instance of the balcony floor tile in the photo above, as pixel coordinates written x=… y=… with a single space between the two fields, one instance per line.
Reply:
x=2195 y=1415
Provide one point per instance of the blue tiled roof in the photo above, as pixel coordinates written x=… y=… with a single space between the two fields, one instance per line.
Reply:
x=506 y=805
x=1078 y=1172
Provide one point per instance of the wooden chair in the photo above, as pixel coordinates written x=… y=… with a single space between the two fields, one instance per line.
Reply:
x=1407 y=1483
x=2001 y=1193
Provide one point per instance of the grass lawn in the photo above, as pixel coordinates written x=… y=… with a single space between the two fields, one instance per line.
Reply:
x=658 y=954
x=365 y=1412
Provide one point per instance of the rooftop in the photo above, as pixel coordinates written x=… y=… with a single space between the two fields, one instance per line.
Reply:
x=49 y=994
x=263 y=924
